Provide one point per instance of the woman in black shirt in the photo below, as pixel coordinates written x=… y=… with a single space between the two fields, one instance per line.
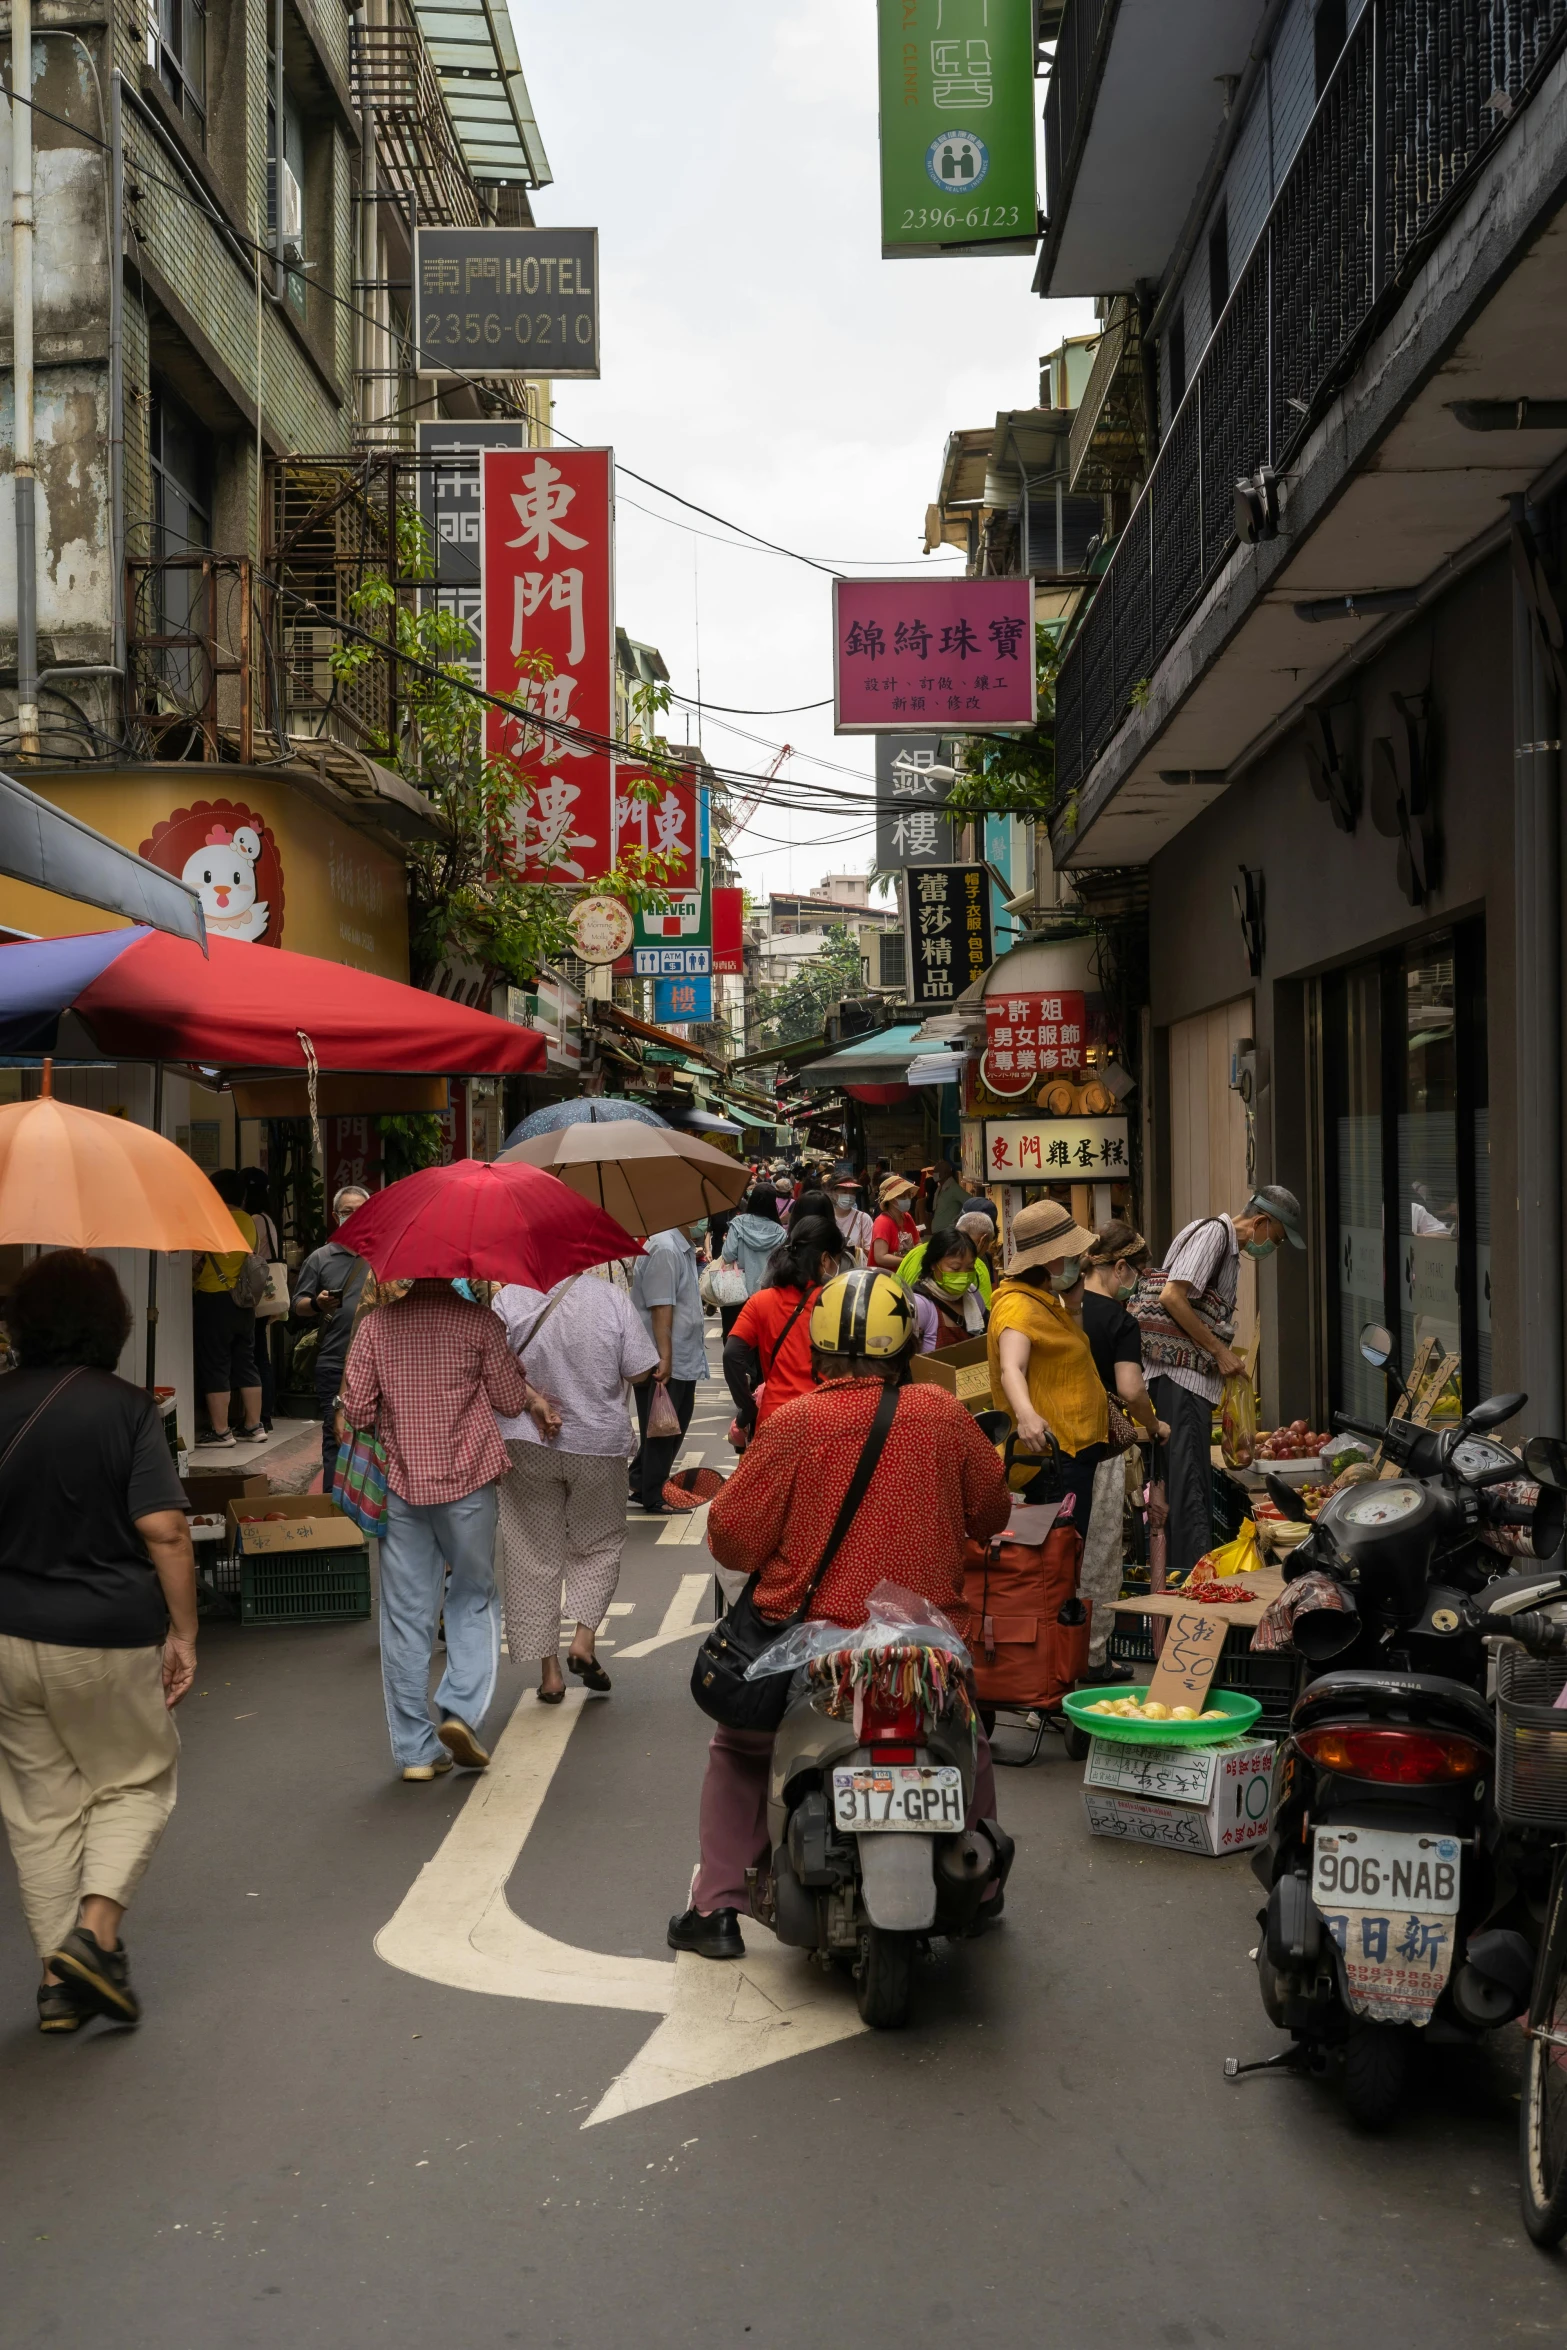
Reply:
x=1110 y=1276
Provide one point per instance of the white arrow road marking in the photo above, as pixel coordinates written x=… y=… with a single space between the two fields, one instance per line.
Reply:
x=680 y=1617
x=455 y=1926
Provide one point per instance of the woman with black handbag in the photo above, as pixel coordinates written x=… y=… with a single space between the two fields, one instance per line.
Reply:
x=866 y=1478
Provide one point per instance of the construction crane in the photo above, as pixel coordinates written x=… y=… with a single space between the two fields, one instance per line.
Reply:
x=748 y=806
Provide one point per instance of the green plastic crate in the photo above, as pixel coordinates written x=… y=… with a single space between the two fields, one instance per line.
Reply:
x=305 y=1587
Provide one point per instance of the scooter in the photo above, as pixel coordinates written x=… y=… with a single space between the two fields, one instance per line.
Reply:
x=1392 y=1905
x=870 y=1852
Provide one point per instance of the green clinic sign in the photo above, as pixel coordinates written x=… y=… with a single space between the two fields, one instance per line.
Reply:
x=957 y=127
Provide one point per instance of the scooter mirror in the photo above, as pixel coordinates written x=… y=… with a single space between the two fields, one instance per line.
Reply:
x=1545 y=1458
x=1284 y=1497
x=1321 y=1633
x=1494 y=1410
x=1376 y=1345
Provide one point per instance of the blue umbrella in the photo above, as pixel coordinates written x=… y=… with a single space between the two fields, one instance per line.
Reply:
x=594 y=1110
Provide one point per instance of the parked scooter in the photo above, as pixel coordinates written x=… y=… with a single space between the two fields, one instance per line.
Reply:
x=866 y=1812
x=1393 y=1905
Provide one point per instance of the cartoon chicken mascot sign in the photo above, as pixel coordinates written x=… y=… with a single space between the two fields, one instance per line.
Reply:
x=229 y=857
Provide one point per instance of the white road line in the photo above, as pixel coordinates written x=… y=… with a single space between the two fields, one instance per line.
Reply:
x=454 y=1926
x=689 y=1526
x=680 y=1618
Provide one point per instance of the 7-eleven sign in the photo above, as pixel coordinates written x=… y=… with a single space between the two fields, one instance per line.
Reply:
x=688 y=918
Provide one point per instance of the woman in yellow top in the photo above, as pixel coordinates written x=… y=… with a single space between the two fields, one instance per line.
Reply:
x=223 y=1330
x=1041 y=1363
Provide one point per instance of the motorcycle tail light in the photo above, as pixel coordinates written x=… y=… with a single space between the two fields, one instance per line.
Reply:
x=1395 y=1758
x=888 y=1726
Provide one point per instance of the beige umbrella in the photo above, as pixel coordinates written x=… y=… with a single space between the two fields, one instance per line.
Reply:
x=647 y=1177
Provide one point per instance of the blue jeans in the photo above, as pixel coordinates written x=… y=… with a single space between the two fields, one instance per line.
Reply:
x=417 y=1544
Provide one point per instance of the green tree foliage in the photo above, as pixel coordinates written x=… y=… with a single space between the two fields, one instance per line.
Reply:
x=1016 y=774
x=797 y=1010
x=468 y=900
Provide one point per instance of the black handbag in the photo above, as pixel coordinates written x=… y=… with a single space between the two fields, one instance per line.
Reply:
x=718 y=1677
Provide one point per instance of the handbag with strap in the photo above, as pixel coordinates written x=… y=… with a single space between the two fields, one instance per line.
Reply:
x=38 y=1411
x=359 y=1481
x=718 y=1677
x=1166 y=1346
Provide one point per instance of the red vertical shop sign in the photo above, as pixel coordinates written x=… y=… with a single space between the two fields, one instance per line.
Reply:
x=666 y=827
x=547 y=534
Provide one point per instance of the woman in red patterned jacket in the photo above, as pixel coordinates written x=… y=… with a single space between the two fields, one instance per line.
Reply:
x=937 y=1485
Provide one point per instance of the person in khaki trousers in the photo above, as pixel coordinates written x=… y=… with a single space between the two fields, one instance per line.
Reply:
x=97 y=1631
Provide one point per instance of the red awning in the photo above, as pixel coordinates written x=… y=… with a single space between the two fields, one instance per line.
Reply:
x=244 y=1007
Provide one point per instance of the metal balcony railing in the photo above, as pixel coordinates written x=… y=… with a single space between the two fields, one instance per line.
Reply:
x=1071 y=76
x=1423 y=89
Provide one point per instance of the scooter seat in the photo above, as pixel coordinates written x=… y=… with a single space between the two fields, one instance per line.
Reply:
x=1425 y=1699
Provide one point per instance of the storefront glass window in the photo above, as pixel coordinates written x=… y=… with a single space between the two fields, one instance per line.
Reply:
x=1352 y=1003
x=1428 y=1205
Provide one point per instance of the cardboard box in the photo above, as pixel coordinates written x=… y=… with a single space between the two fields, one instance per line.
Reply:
x=284 y=1522
x=214 y=1489
x=964 y=1371
x=1209 y=1799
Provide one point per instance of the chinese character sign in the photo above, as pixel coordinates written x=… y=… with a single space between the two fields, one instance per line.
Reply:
x=449 y=510
x=548 y=591
x=1056 y=1150
x=957 y=127
x=910 y=827
x=669 y=826
x=915 y=654
x=682 y=999
x=948 y=908
x=507 y=300
x=1032 y=1035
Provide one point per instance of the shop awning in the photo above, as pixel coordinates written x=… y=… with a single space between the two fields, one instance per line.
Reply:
x=880 y=1059
x=144 y=997
x=42 y=844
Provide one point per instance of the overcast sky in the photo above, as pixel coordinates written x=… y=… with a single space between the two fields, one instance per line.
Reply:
x=759 y=357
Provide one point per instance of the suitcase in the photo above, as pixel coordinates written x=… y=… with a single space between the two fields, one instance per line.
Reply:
x=1013 y=1595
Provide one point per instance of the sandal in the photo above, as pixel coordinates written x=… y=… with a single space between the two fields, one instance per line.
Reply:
x=550 y=1696
x=590 y=1672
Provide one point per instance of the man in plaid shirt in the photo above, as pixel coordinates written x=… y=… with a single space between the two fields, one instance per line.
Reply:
x=428 y=1373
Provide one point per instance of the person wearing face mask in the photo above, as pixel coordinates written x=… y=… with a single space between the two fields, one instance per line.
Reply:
x=1041 y=1364
x=946 y=1270
x=1114 y=1262
x=851 y=1219
x=1186 y=1344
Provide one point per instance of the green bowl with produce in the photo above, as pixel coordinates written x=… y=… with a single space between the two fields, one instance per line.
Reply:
x=1240 y=1714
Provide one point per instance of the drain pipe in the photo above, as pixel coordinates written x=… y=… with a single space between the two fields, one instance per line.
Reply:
x=22 y=372
x=1537 y=1008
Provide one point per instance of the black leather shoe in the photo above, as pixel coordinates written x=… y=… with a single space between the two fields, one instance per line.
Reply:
x=715 y=1935
x=1104 y=1676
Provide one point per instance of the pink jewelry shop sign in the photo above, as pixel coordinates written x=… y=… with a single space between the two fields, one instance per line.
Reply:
x=954 y=655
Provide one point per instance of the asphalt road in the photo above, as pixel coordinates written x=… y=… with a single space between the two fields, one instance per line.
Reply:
x=306 y=2144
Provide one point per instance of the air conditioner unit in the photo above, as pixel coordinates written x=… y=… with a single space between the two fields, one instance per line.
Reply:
x=293 y=217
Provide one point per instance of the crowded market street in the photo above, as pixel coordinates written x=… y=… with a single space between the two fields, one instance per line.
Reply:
x=338 y=2126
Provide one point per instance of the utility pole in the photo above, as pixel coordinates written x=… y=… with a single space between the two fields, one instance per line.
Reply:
x=22 y=366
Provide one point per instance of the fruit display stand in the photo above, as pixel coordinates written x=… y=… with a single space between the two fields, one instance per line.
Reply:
x=1270 y=1676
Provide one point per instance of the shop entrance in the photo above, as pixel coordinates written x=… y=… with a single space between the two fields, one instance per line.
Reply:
x=1209 y=1159
x=1406 y=1160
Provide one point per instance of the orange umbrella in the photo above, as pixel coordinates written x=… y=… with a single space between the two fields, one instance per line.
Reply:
x=73 y=1178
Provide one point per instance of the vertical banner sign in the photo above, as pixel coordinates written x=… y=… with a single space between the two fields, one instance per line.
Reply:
x=957 y=127
x=910 y=829
x=913 y=654
x=669 y=826
x=949 y=931
x=449 y=510
x=729 y=932
x=548 y=541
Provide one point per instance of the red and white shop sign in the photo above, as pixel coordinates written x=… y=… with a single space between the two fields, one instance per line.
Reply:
x=1030 y=1035
x=665 y=827
x=547 y=536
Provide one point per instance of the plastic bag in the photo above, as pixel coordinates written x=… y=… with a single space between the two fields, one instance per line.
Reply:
x=895 y=1618
x=1238 y=1421
x=662 y=1420
x=1243 y=1556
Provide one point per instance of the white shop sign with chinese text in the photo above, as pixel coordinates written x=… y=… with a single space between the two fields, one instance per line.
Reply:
x=1065 y=1150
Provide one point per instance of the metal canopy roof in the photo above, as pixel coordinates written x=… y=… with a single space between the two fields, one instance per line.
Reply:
x=474 y=51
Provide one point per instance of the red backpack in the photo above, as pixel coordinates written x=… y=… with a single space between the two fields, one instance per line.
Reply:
x=1013 y=1594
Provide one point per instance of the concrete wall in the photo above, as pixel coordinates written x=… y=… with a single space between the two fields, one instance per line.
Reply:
x=1333 y=898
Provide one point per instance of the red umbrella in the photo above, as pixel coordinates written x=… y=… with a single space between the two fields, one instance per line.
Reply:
x=485 y=1221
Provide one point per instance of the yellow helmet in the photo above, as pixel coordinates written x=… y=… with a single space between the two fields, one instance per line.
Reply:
x=862 y=1313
